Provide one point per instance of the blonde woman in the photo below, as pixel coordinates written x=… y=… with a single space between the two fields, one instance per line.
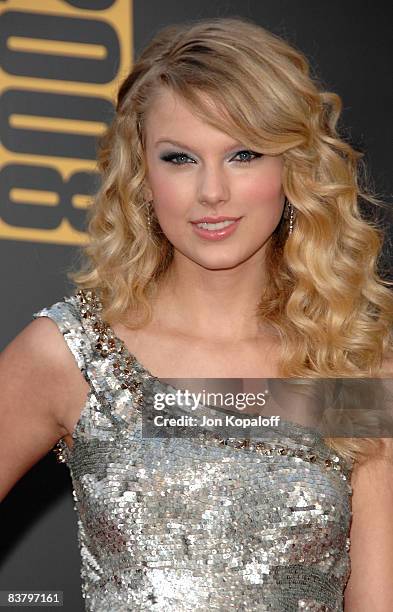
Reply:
x=226 y=241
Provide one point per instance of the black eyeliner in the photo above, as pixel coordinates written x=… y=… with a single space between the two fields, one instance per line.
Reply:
x=170 y=156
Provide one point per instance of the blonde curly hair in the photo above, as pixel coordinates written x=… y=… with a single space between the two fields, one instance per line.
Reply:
x=324 y=296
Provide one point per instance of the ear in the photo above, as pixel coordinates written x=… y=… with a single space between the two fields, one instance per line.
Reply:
x=147 y=192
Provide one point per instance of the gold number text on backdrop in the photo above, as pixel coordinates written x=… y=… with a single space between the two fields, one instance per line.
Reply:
x=57 y=96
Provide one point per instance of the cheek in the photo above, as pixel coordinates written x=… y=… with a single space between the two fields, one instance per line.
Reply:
x=173 y=194
x=266 y=197
x=170 y=210
x=272 y=190
x=265 y=189
x=171 y=207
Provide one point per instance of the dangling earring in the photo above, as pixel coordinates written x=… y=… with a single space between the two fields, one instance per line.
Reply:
x=291 y=218
x=289 y=213
x=149 y=221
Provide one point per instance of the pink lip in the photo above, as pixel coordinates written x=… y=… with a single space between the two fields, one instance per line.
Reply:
x=215 y=219
x=216 y=234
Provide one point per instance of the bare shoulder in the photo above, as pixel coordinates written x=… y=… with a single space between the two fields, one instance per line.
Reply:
x=39 y=364
x=38 y=347
x=39 y=380
x=370 y=586
x=371 y=534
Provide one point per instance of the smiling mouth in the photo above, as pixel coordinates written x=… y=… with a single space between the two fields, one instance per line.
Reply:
x=217 y=225
x=216 y=231
x=214 y=222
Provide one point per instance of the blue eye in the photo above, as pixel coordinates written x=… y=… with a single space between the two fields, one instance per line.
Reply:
x=247 y=161
x=171 y=157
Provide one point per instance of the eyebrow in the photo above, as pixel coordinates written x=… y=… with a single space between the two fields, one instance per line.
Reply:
x=182 y=145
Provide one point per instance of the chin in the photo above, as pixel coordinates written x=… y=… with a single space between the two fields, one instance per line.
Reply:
x=219 y=263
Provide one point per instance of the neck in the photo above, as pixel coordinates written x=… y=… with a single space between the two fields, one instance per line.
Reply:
x=211 y=304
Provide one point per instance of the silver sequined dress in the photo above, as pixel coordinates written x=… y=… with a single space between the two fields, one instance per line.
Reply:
x=194 y=524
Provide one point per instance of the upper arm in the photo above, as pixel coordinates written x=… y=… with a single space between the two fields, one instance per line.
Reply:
x=370 y=586
x=35 y=391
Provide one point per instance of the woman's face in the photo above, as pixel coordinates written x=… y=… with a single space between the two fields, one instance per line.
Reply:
x=196 y=171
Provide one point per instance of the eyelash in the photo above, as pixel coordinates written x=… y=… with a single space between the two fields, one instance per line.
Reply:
x=171 y=156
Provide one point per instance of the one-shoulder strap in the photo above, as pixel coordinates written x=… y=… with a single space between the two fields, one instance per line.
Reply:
x=73 y=321
x=67 y=317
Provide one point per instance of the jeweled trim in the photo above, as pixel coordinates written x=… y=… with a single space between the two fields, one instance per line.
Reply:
x=109 y=345
x=266 y=448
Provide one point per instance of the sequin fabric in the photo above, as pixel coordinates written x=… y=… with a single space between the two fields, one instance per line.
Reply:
x=194 y=524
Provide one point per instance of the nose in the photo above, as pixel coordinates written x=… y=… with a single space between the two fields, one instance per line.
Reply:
x=213 y=186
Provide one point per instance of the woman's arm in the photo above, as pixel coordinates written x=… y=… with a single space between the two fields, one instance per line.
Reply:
x=35 y=392
x=370 y=586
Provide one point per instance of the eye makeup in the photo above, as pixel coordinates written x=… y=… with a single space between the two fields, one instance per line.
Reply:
x=171 y=156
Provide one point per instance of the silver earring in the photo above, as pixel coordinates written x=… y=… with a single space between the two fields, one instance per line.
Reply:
x=289 y=213
x=149 y=222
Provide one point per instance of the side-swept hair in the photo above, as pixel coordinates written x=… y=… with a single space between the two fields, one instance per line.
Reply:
x=324 y=295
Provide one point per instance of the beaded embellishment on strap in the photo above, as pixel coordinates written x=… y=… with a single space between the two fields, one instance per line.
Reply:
x=265 y=448
x=107 y=344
